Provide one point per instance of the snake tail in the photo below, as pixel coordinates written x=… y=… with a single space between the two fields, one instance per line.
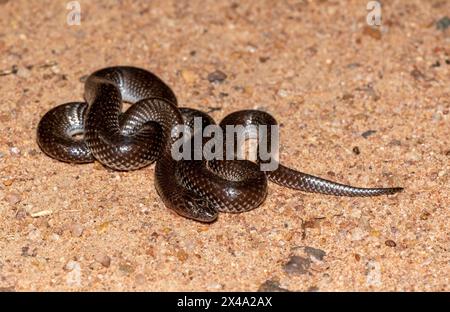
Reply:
x=305 y=182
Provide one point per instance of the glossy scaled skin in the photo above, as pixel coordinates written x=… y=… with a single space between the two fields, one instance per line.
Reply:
x=298 y=180
x=196 y=189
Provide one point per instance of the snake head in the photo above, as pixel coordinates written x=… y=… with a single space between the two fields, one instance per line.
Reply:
x=197 y=208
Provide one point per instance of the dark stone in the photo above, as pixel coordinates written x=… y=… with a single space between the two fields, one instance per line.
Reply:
x=26 y=252
x=319 y=254
x=417 y=74
x=436 y=64
x=443 y=23
x=271 y=286
x=390 y=243
x=368 y=133
x=395 y=143
x=297 y=265
x=217 y=76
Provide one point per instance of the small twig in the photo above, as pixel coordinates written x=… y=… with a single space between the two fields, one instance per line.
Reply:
x=12 y=71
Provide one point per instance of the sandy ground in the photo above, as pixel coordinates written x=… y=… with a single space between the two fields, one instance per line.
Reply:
x=315 y=65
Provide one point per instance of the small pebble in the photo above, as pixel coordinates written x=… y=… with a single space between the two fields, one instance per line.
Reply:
x=8 y=182
x=271 y=286
x=126 y=268
x=55 y=69
x=54 y=237
x=297 y=265
x=319 y=254
x=34 y=234
x=32 y=152
x=356 y=150
x=13 y=198
x=150 y=251
x=375 y=233
x=14 y=150
x=368 y=133
x=348 y=97
x=182 y=255
x=102 y=228
x=282 y=93
x=103 y=259
x=353 y=65
x=26 y=252
x=390 y=243
x=71 y=265
x=417 y=74
x=395 y=143
x=436 y=64
x=217 y=76
x=214 y=286
x=373 y=273
x=189 y=76
x=73 y=277
x=140 y=279
x=76 y=230
x=425 y=215
x=41 y=213
x=443 y=23
x=357 y=234
x=21 y=214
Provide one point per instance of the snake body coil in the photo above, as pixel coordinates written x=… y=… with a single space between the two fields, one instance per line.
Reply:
x=196 y=189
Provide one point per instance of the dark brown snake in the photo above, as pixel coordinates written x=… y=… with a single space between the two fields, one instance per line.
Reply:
x=196 y=189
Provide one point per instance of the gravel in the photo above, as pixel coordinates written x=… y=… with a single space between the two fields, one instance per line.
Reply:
x=217 y=76
x=103 y=259
x=443 y=23
x=297 y=265
x=368 y=133
x=76 y=230
x=14 y=150
x=271 y=286
x=13 y=198
x=73 y=277
x=319 y=254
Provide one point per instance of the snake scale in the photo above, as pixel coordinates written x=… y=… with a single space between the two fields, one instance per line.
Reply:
x=97 y=129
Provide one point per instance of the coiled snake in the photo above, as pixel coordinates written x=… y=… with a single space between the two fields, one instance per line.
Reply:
x=196 y=189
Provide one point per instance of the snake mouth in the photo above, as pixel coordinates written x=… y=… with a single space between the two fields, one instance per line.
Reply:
x=198 y=209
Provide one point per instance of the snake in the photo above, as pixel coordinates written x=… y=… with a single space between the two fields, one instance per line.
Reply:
x=99 y=129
